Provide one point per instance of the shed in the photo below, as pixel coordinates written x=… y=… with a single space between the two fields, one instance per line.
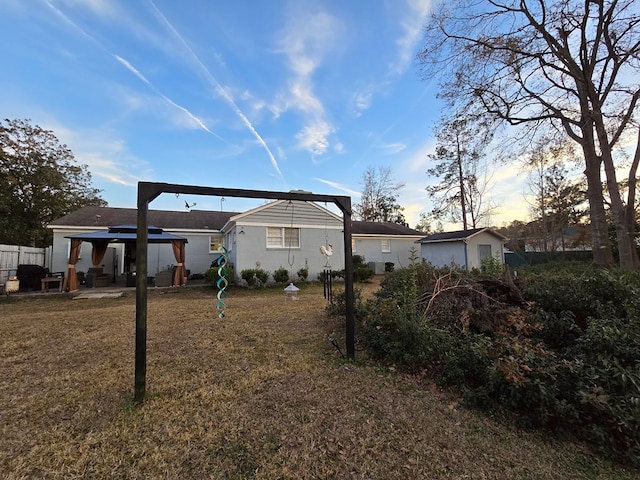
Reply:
x=462 y=248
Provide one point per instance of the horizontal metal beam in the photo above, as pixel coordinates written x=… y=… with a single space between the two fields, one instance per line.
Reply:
x=148 y=191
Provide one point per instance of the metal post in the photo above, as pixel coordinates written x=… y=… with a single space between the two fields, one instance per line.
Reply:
x=348 y=284
x=141 y=301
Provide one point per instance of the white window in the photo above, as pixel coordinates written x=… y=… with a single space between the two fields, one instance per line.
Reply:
x=215 y=243
x=353 y=245
x=283 y=237
x=385 y=245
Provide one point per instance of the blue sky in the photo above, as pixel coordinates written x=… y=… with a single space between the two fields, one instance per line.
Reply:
x=268 y=95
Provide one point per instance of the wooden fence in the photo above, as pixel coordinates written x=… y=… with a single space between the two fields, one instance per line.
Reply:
x=13 y=255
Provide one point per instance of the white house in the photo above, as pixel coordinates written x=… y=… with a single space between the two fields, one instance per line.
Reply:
x=282 y=233
x=463 y=248
x=382 y=243
x=285 y=234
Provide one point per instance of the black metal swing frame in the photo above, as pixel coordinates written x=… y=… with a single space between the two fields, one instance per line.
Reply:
x=149 y=191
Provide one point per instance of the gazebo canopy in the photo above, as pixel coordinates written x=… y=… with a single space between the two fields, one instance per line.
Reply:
x=122 y=234
x=127 y=234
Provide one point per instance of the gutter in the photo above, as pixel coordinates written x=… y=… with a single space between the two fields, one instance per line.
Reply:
x=466 y=259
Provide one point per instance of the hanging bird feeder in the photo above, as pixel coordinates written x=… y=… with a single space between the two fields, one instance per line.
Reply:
x=291 y=293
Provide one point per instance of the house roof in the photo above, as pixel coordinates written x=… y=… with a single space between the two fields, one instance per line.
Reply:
x=95 y=217
x=167 y=219
x=127 y=234
x=459 y=235
x=382 y=228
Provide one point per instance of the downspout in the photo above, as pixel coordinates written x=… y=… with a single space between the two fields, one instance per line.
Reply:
x=466 y=259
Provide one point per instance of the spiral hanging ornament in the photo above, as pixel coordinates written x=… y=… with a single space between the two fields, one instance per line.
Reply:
x=222 y=281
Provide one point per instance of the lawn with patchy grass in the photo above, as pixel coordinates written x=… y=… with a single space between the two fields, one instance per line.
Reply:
x=259 y=394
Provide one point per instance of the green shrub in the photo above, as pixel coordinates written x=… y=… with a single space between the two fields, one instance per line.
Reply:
x=249 y=276
x=211 y=275
x=566 y=359
x=338 y=305
x=261 y=276
x=362 y=273
x=303 y=274
x=281 y=275
x=490 y=265
x=255 y=276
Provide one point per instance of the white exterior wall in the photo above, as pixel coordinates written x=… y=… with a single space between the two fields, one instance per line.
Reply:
x=484 y=238
x=444 y=254
x=370 y=247
x=250 y=251
x=198 y=258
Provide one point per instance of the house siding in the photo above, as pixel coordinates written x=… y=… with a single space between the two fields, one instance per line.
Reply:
x=371 y=249
x=284 y=213
x=445 y=254
x=484 y=238
x=251 y=252
x=316 y=228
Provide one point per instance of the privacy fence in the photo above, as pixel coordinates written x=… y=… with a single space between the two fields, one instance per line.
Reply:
x=13 y=255
x=518 y=259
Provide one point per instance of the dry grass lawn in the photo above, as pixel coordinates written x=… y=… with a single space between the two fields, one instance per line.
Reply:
x=259 y=394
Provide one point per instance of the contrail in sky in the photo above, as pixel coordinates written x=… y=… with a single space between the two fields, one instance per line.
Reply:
x=339 y=186
x=137 y=73
x=221 y=91
x=133 y=70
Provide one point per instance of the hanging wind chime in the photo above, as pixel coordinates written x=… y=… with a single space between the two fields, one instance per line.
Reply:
x=327 y=251
x=222 y=282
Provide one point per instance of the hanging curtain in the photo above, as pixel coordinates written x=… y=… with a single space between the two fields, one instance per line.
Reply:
x=98 y=252
x=179 y=277
x=71 y=279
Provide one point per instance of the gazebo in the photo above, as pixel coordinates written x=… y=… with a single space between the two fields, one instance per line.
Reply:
x=122 y=234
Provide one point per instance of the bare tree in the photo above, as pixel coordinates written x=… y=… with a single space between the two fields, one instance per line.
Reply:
x=424 y=224
x=463 y=180
x=556 y=200
x=566 y=63
x=379 y=197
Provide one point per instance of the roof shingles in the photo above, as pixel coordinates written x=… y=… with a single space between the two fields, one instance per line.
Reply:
x=167 y=219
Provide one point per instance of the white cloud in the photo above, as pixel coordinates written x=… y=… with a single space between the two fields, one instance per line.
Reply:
x=362 y=100
x=411 y=23
x=106 y=157
x=314 y=138
x=190 y=119
x=393 y=148
x=416 y=162
x=306 y=40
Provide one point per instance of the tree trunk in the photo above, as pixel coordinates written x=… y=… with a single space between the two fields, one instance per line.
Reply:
x=599 y=231
x=627 y=253
x=463 y=200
